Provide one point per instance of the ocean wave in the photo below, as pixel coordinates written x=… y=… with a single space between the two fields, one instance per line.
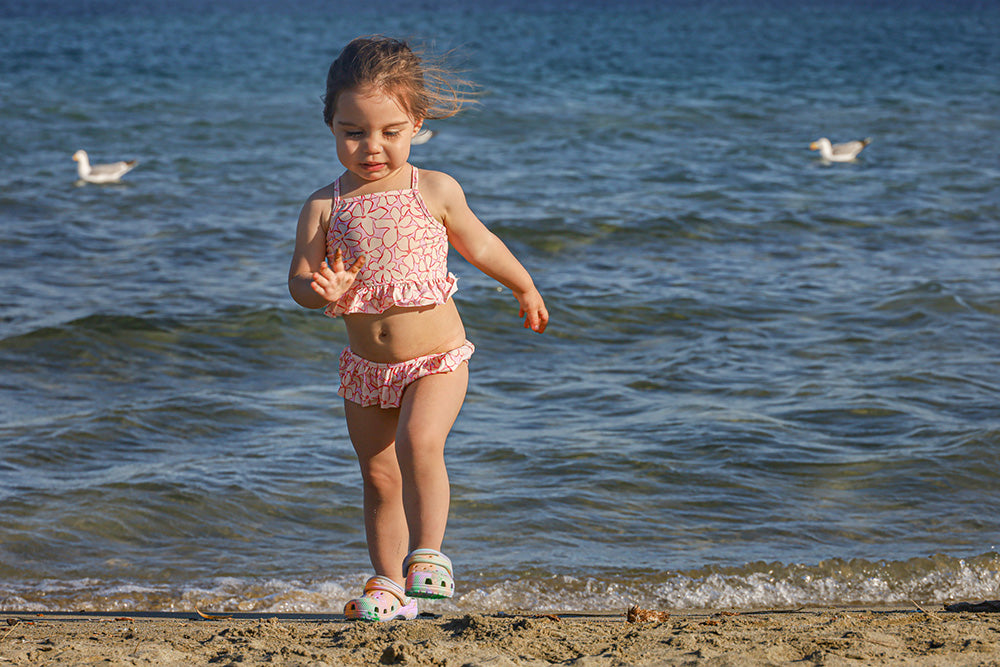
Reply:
x=932 y=580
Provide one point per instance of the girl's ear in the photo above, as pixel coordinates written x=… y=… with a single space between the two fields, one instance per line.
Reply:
x=417 y=124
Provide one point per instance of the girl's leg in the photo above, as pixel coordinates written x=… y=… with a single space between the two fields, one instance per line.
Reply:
x=373 y=432
x=429 y=408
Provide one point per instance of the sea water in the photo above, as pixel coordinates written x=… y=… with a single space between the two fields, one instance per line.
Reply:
x=767 y=380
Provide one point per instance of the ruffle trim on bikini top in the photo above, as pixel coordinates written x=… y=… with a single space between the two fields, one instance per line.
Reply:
x=380 y=297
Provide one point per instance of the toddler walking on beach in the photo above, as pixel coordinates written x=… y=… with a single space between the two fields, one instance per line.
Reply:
x=372 y=247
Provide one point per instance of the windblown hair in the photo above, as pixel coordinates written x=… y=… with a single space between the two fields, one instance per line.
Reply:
x=424 y=89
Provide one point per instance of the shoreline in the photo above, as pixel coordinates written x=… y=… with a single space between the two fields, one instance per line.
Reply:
x=868 y=635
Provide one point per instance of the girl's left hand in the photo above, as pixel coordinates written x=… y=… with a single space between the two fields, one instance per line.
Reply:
x=536 y=317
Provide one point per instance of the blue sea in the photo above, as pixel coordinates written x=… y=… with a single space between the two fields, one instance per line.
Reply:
x=769 y=381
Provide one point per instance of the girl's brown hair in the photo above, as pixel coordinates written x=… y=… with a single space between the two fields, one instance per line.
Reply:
x=424 y=89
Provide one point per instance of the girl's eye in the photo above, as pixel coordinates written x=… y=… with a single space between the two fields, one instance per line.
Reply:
x=391 y=134
x=353 y=134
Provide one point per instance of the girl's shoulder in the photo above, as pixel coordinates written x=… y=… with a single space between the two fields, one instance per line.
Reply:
x=319 y=205
x=439 y=185
x=325 y=193
x=443 y=195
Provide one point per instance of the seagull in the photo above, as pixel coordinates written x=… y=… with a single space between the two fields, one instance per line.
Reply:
x=100 y=173
x=838 y=152
x=421 y=137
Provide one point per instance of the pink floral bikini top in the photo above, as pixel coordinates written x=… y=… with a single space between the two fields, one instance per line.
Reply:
x=405 y=247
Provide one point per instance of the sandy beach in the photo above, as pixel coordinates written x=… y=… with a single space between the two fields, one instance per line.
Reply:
x=812 y=636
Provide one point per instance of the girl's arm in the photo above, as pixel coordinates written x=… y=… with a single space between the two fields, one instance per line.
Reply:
x=312 y=281
x=482 y=248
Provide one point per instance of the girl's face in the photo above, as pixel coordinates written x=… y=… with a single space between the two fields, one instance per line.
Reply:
x=373 y=134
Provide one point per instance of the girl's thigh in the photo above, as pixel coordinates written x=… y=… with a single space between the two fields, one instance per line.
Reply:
x=430 y=407
x=372 y=430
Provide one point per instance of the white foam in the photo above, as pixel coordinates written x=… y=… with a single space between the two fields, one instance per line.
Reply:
x=757 y=585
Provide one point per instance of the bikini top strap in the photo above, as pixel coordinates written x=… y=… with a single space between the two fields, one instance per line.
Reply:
x=335 y=202
x=413 y=178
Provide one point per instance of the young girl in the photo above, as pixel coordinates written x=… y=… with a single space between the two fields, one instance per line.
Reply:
x=372 y=247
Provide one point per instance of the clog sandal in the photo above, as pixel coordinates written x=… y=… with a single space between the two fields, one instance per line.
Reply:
x=383 y=600
x=429 y=574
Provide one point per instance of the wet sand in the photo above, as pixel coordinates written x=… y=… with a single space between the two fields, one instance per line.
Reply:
x=813 y=636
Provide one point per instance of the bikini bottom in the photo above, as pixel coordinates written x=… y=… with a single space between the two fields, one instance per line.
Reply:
x=371 y=383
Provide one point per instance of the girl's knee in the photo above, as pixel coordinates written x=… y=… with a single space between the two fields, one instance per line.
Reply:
x=383 y=479
x=421 y=452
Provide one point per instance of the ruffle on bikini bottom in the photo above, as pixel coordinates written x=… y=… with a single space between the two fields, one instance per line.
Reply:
x=370 y=383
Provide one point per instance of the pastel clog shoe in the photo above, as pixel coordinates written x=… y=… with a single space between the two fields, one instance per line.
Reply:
x=429 y=574
x=383 y=600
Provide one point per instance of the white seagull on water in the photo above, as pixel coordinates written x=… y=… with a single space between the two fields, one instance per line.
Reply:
x=838 y=152
x=100 y=173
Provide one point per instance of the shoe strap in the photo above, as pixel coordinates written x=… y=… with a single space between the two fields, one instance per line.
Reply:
x=428 y=557
x=380 y=584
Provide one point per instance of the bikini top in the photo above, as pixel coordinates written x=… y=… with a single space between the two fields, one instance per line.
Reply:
x=405 y=249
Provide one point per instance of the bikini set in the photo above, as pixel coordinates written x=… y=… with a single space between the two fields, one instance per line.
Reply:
x=406 y=251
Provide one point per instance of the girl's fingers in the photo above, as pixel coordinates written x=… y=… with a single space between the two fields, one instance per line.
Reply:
x=535 y=319
x=338 y=261
x=332 y=280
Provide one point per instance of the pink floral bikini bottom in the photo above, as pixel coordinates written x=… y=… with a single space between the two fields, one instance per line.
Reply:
x=371 y=383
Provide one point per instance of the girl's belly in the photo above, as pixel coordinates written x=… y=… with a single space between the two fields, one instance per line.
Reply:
x=400 y=334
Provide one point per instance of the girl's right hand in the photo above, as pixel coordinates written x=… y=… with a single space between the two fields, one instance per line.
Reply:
x=536 y=317
x=331 y=282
